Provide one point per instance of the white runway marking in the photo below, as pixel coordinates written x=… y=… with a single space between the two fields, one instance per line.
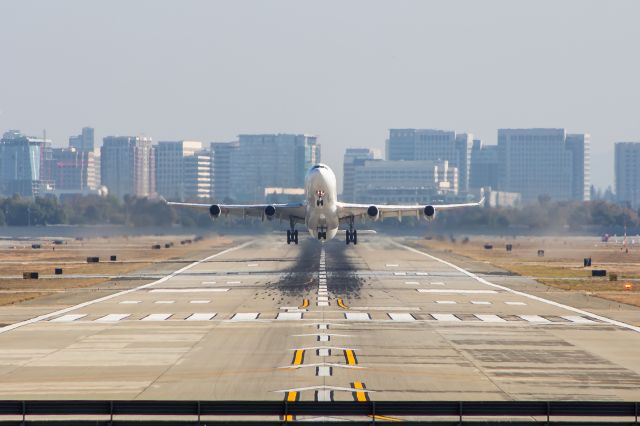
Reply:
x=199 y=301
x=323 y=371
x=232 y=282
x=534 y=318
x=412 y=282
x=69 y=318
x=246 y=316
x=422 y=274
x=479 y=302
x=323 y=298
x=578 y=320
x=156 y=317
x=489 y=318
x=130 y=302
x=520 y=293
x=324 y=352
x=323 y=326
x=251 y=265
x=446 y=302
x=401 y=316
x=323 y=303
x=201 y=316
x=515 y=303
x=190 y=290
x=445 y=317
x=208 y=282
x=436 y=283
x=164 y=302
x=120 y=293
x=452 y=291
x=323 y=338
x=324 y=395
x=400 y=273
x=113 y=317
x=357 y=316
x=289 y=316
x=391 y=265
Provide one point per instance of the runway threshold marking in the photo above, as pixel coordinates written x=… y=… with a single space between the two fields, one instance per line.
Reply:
x=350 y=357
x=520 y=293
x=342 y=305
x=120 y=293
x=358 y=394
x=298 y=357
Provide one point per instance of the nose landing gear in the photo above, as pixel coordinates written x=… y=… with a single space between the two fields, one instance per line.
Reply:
x=322 y=234
x=292 y=234
x=351 y=236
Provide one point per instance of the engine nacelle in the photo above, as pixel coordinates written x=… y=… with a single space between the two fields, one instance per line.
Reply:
x=215 y=211
x=373 y=212
x=269 y=212
x=429 y=212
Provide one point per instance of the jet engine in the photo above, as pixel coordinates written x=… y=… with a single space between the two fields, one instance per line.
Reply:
x=429 y=212
x=373 y=212
x=269 y=212
x=215 y=211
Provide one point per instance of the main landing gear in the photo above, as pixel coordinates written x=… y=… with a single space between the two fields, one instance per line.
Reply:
x=292 y=236
x=351 y=236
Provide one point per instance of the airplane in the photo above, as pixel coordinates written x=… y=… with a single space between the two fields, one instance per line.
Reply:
x=321 y=212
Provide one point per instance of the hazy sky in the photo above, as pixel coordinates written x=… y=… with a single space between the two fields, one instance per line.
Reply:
x=344 y=70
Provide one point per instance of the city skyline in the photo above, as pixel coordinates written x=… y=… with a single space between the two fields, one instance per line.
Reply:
x=296 y=69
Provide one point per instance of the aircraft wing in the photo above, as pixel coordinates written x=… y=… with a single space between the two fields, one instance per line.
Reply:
x=288 y=211
x=348 y=210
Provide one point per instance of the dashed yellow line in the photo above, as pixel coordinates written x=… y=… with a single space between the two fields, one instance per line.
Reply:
x=305 y=304
x=298 y=357
x=350 y=356
x=291 y=396
x=342 y=305
x=358 y=394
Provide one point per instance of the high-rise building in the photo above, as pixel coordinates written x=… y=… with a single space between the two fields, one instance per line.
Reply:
x=544 y=162
x=183 y=170
x=403 y=182
x=84 y=141
x=484 y=166
x=73 y=170
x=627 y=172
x=23 y=164
x=352 y=158
x=270 y=160
x=127 y=165
x=432 y=145
x=222 y=154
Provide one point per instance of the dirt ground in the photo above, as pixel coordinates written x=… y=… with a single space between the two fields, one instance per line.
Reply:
x=133 y=254
x=561 y=265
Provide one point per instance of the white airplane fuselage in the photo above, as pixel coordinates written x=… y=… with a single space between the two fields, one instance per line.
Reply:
x=321 y=201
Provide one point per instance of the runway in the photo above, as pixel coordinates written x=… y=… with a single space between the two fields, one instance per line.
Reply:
x=264 y=320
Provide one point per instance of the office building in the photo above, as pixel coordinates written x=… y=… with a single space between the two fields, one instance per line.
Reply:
x=544 y=162
x=183 y=170
x=84 y=141
x=432 y=145
x=23 y=164
x=270 y=160
x=484 y=166
x=627 y=173
x=222 y=154
x=73 y=170
x=127 y=165
x=403 y=182
x=352 y=158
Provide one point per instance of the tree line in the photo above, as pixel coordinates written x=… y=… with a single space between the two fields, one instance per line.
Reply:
x=545 y=215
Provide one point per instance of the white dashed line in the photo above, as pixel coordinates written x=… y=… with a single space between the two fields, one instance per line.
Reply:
x=113 y=317
x=534 y=318
x=578 y=320
x=289 y=316
x=515 y=303
x=401 y=316
x=130 y=302
x=245 y=316
x=69 y=318
x=452 y=291
x=323 y=371
x=391 y=265
x=489 y=318
x=199 y=301
x=201 y=316
x=156 y=317
x=164 y=302
x=479 y=302
x=190 y=290
x=357 y=316
x=446 y=302
x=445 y=317
x=412 y=282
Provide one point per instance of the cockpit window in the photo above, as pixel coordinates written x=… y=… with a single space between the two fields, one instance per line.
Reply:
x=318 y=166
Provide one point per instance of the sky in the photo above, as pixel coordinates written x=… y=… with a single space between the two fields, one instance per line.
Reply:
x=346 y=71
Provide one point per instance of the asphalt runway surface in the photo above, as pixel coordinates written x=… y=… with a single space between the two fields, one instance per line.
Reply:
x=264 y=320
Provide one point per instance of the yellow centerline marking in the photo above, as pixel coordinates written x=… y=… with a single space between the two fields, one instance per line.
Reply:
x=342 y=305
x=360 y=396
x=350 y=357
x=305 y=304
x=291 y=396
x=390 y=419
x=298 y=357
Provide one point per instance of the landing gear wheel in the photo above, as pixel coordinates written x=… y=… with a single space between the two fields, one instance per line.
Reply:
x=295 y=236
x=355 y=237
x=348 y=237
x=288 y=237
